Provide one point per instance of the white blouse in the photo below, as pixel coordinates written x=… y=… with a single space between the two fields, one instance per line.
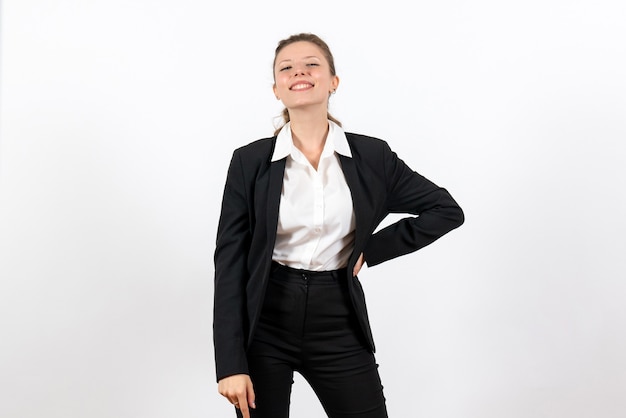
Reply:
x=316 y=218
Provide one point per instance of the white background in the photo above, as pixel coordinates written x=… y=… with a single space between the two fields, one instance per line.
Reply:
x=118 y=119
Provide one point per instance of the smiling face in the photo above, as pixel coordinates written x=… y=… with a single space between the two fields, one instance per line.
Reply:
x=303 y=77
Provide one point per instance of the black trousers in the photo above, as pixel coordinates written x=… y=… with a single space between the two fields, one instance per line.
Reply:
x=308 y=325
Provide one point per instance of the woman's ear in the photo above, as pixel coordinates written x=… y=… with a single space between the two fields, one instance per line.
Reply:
x=275 y=91
x=334 y=84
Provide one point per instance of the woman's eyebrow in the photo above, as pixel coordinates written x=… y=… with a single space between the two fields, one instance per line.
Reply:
x=289 y=59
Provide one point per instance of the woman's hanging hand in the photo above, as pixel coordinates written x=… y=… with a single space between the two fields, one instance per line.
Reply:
x=238 y=390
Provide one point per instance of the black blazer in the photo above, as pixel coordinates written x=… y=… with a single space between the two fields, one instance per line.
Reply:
x=380 y=183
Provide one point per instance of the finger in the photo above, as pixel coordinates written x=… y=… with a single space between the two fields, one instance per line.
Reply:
x=243 y=407
x=251 y=398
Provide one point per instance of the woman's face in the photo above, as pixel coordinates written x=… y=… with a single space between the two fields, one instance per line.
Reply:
x=302 y=76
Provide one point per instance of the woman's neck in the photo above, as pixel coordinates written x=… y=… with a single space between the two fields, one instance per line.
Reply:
x=309 y=132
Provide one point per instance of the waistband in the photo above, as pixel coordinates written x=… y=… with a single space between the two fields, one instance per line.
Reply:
x=282 y=272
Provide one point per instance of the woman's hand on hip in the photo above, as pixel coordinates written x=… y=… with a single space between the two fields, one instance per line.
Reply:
x=357 y=266
x=238 y=390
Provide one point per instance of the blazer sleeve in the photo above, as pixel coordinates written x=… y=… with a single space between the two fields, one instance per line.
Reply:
x=232 y=247
x=409 y=192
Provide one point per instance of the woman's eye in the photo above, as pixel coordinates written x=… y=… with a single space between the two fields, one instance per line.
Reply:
x=285 y=68
x=313 y=64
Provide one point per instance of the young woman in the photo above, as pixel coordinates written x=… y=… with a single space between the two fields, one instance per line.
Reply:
x=298 y=217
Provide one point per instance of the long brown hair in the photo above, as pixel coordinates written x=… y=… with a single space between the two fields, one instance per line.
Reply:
x=316 y=40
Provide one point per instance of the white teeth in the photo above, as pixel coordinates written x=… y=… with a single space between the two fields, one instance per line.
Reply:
x=301 y=86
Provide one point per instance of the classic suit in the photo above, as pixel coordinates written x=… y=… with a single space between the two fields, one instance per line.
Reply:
x=380 y=183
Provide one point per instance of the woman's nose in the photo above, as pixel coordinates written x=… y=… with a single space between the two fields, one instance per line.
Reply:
x=299 y=70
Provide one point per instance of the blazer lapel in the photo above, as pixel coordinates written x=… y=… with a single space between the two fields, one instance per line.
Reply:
x=359 y=203
x=277 y=172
